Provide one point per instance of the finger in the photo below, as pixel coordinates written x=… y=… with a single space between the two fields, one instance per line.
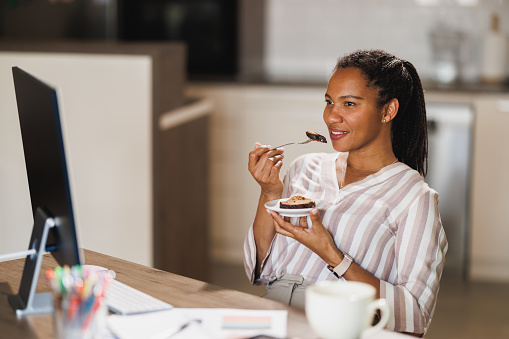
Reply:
x=277 y=151
x=284 y=225
x=273 y=175
x=266 y=150
x=276 y=216
x=261 y=149
x=255 y=155
x=271 y=160
x=259 y=156
x=315 y=218
x=277 y=226
x=267 y=161
x=269 y=168
x=278 y=219
x=282 y=231
x=303 y=222
x=263 y=171
x=276 y=158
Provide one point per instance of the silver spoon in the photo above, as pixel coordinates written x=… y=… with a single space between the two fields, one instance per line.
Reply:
x=311 y=135
x=293 y=143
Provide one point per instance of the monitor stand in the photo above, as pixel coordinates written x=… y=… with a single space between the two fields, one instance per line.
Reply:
x=27 y=301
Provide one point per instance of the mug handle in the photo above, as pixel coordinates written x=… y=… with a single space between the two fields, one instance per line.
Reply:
x=379 y=304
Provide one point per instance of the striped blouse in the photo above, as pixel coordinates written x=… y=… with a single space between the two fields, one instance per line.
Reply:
x=388 y=222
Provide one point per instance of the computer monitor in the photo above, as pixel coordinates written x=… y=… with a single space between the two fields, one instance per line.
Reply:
x=54 y=228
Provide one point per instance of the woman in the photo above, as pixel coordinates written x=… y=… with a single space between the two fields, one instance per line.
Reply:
x=380 y=224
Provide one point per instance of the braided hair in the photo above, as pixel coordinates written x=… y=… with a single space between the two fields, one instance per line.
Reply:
x=396 y=78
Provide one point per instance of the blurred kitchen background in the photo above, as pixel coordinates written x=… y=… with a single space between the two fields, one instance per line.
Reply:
x=256 y=70
x=283 y=41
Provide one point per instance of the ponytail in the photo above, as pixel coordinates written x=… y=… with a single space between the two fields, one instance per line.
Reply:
x=409 y=127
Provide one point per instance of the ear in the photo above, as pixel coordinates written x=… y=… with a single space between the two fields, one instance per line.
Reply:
x=390 y=110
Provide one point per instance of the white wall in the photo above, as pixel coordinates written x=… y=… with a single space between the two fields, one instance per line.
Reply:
x=107 y=105
x=303 y=39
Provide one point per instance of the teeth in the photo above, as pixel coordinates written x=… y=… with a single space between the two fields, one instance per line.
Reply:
x=338 y=133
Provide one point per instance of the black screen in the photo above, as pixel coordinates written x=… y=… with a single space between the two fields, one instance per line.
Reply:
x=45 y=161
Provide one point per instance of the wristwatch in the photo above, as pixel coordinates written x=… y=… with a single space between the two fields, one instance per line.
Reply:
x=343 y=266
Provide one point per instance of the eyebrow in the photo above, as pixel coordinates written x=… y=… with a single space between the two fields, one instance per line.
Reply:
x=348 y=96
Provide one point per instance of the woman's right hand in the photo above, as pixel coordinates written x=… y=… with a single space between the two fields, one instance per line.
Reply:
x=265 y=165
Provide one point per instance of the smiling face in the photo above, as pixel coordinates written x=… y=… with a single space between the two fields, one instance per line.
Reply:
x=352 y=116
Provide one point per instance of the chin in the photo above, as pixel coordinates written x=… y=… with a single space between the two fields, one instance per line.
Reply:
x=340 y=148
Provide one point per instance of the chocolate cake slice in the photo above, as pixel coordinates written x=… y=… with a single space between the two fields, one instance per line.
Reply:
x=297 y=202
x=315 y=136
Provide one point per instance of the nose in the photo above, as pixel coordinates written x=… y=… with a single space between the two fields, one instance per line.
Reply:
x=332 y=115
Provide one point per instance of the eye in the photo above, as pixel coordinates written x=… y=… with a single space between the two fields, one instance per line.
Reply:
x=349 y=103
x=328 y=102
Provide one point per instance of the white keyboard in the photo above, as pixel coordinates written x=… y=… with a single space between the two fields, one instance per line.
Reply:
x=123 y=299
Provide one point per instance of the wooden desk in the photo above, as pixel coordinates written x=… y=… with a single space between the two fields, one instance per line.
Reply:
x=171 y=288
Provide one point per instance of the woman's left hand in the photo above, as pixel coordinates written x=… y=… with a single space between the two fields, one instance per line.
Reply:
x=319 y=240
x=316 y=238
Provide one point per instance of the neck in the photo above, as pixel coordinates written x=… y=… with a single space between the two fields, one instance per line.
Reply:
x=370 y=164
x=357 y=170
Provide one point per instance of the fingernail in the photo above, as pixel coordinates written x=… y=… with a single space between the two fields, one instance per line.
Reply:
x=314 y=211
x=268 y=211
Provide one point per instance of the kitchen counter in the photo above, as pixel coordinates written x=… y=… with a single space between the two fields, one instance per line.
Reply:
x=460 y=92
x=467 y=87
x=464 y=93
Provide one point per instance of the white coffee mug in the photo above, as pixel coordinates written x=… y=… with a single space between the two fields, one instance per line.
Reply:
x=344 y=309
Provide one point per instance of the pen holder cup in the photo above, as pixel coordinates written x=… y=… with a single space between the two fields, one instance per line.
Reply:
x=73 y=321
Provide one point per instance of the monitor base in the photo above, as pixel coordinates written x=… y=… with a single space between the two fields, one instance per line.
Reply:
x=42 y=303
x=27 y=301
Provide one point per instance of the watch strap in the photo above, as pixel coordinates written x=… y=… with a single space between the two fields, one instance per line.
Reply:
x=343 y=266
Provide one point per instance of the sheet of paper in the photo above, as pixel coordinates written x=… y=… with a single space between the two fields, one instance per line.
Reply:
x=240 y=323
x=198 y=323
x=153 y=325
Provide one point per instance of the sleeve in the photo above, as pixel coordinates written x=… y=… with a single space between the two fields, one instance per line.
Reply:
x=250 y=256
x=420 y=251
x=249 y=242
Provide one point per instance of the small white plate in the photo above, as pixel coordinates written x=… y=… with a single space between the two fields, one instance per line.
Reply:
x=290 y=212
